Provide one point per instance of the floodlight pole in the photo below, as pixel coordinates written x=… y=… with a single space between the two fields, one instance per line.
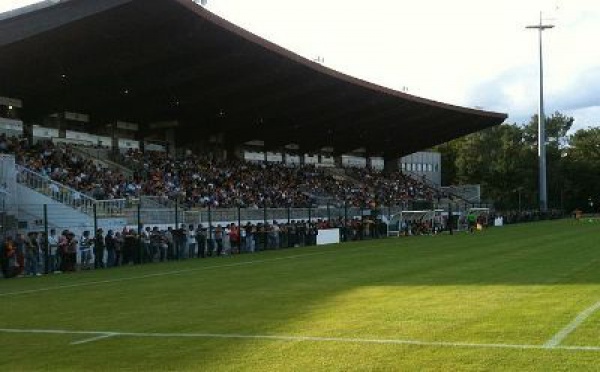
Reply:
x=542 y=124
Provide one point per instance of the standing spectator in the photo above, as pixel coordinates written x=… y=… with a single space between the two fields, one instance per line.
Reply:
x=219 y=239
x=147 y=254
x=32 y=252
x=191 y=242
x=55 y=191
x=44 y=253
x=274 y=235
x=163 y=246
x=234 y=238
x=301 y=233
x=54 y=253
x=210 y=240
x=255 y=238
x=20 y=243
x=260 y=237
x=170 y=243
x=226 y=240
x=155 y=243
x=242 y=231
x=72 y=246
x=111 y=247
x=291 y=234
x=313 y=230
x=85 y=249
x=136 y=247
x=118 y=248
x=179 y=235
x=62 y=250
x=201 y=240
x=249 y=237
x=129 y=247
x=8 y=258
x=99 y=247
x=283 y=236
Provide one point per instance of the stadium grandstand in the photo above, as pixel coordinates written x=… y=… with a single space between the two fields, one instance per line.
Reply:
x=127 y=114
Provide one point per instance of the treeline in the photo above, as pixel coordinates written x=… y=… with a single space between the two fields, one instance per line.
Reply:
x=504 y=160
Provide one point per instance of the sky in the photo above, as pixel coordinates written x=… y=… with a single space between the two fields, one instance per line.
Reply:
x=464 y=52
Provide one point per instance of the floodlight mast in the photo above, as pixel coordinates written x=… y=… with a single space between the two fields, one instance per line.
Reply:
x=543 y=189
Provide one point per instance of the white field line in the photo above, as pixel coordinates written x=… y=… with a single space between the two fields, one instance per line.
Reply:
x=164 y=273
x=107 y=335
x=563 y=333
x=104 y=334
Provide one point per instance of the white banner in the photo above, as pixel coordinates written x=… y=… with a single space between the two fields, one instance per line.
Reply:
x=328 y=236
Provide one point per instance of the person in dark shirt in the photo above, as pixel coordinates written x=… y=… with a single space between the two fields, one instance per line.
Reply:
x=201 y=240
x=111 y=245
x=131 y=252
x=99 y=247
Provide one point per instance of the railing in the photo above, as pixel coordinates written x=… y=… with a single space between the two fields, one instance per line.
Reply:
x=69 y=196
x=469 y=193
x=173 y=216
x=157 y=202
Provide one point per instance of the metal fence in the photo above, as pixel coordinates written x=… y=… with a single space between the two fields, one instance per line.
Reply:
x=208 y=216
x=122 y=213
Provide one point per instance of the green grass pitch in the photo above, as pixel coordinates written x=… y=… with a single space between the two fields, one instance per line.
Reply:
x=523 y=297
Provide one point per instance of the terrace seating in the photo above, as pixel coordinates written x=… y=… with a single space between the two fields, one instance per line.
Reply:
x=196 y=181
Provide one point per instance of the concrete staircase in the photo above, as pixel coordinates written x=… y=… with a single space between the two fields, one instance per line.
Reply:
x=65 y=208
x=60 y=216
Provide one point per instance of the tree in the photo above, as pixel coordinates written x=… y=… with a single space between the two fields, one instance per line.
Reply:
x=557 y=127
x=503 y=159
x=582 y=169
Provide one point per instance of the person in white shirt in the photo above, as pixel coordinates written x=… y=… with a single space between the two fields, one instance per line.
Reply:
x=274 y=236
x=54 y=191
x=53 y=250
x=226 y=242
x=191 y=242
x=85 y=249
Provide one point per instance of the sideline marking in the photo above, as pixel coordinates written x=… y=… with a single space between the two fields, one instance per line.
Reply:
x=164 y=273
x=105 y=334
x=555 y=341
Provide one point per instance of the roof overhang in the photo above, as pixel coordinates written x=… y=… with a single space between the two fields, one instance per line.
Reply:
x=162 y=60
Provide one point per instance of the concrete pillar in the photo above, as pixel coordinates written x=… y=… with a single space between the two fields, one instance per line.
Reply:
x=170 y=139
x=368 y=162
x=337 y=160
x=390 y=164
x=232 y=152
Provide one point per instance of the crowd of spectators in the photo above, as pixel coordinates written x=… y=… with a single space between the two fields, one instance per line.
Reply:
x=199 y=181
x=196 y=181
x=528 y=215
x=63 y=165
x=374 y=188
x=35 y=254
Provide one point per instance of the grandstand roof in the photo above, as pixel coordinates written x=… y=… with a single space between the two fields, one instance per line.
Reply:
x=150 y=61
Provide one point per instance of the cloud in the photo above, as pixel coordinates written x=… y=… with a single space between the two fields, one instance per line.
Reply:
x=582 y=92
x=584 y=117
x=515 y=91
